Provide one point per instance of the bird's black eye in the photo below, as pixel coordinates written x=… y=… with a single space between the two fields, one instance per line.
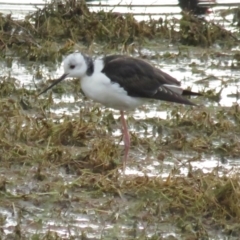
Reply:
x=72 y=66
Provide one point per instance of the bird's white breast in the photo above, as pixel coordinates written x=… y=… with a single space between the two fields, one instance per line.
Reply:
x=100 y=88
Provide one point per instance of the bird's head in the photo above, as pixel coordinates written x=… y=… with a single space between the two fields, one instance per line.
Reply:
x=76 y=65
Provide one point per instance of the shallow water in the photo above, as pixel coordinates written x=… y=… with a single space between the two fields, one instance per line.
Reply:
x=133 y=6
x=68 y=211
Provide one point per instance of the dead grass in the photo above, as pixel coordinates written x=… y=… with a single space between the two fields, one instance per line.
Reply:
x=82 y=144
x=48 y=33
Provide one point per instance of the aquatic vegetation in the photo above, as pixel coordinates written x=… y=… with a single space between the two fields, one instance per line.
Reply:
x=199 y=32
x=46 y=33
x=57 y=168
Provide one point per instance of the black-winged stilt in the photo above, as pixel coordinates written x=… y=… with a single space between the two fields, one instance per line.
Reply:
x=123 y=83
x=195 y=7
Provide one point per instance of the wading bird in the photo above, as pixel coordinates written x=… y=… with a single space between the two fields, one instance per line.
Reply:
x=194 y=6
x=123 y=83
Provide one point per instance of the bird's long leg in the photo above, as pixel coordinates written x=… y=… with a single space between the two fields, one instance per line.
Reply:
x=126 y=139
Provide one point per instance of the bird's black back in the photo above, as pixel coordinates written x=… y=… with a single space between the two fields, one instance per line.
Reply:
x=140 y=79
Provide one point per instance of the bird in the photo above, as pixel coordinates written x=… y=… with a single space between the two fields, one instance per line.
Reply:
x=194 y=6
x=122 y=82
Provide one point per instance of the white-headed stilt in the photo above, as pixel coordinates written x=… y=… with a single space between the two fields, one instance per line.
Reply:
x=123 y=83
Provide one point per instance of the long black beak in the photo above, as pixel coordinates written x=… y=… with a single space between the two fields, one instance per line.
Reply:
x=54 y=83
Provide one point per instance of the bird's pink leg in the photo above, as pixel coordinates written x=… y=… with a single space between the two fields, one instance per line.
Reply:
x=126 y=138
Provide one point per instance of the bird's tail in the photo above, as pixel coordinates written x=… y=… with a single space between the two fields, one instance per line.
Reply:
x=190 y=93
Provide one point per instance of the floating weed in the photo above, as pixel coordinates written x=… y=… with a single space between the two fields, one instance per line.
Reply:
x=206 y=195
x=44 y=35
x=226 y=195
x=203 y=125
x=104 y=155
x=197 y=31
x=66 y=166
x=7 y=86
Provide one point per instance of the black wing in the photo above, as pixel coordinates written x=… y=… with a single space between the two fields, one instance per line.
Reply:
x=140 y=79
